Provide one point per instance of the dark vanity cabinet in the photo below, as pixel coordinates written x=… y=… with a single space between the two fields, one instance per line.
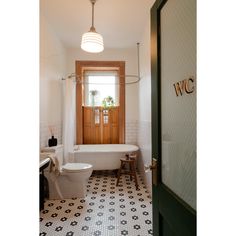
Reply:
x=43 y=184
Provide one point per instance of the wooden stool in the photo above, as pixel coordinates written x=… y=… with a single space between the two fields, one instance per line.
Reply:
x=131 y=172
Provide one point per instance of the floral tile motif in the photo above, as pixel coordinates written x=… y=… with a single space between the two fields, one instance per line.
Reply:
x=108 y=210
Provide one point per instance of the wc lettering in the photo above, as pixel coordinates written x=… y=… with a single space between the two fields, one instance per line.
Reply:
x=184 y=86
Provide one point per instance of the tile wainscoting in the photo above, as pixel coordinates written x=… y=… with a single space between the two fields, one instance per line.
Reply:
x=131 y=131
x=144 y=142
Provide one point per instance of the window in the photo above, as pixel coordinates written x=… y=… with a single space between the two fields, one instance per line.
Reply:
x=98 y=85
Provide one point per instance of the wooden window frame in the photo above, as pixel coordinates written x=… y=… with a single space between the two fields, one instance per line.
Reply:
x=82 y=66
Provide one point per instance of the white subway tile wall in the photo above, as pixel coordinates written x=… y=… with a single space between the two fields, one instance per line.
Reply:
x=144 y=134
x=145 y=155
x=45 y=133
x=131 y=132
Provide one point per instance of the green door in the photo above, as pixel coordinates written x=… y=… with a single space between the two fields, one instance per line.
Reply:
x=173 y=76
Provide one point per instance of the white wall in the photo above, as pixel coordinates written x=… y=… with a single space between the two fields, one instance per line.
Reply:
x=131 y=94
x=52 y=68
x=144 y=125
x=56 y=62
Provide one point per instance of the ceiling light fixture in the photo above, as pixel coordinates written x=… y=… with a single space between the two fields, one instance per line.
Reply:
x=92 y=41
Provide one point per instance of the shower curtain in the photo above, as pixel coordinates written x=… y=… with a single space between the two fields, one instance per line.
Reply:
x=69 y=86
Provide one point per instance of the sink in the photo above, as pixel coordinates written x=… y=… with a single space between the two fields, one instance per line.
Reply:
x=44 y=161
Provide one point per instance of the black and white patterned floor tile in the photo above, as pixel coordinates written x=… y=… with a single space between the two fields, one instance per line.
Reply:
x=108 y=210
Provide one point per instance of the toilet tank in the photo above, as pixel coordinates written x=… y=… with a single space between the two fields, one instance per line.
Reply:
x=58 y=150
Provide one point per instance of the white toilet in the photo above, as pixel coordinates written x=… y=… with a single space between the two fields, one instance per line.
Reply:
x=72 y=179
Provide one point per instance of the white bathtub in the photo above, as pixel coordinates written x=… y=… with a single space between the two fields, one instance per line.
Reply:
x=102 y=156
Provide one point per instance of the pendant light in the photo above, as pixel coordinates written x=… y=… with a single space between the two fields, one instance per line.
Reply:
x=92 y=41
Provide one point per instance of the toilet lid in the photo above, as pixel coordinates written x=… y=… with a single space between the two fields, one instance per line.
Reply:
x=76 y=167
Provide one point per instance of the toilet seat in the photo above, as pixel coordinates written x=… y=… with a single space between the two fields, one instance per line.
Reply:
x=76 y=167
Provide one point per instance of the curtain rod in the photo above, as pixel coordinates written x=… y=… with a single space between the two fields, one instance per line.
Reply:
x=138 y=78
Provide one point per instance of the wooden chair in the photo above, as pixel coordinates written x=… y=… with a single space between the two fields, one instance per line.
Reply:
x=130 y=162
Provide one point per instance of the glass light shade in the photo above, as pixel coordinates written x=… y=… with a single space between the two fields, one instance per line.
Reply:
x=92 y=42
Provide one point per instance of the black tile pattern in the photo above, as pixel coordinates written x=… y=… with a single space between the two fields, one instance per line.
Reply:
x=108 y=210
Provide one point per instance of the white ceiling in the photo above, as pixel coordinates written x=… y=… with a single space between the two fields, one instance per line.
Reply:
x=120 y=22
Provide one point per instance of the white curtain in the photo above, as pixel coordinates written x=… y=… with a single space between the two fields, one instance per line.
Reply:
x=68 y=118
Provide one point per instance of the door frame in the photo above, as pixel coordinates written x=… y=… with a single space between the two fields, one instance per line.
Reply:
x=166 y=204
x=80 y=67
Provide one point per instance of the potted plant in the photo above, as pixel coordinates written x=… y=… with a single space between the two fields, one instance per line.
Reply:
x=93 y=93
x=108 y=102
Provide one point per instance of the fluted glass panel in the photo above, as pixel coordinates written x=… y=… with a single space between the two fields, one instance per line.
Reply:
x=178 y=68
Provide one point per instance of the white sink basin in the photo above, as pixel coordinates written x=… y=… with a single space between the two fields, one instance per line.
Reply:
x=44 y=159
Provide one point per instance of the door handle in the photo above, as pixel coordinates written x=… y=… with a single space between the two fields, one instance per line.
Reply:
x=153 y=168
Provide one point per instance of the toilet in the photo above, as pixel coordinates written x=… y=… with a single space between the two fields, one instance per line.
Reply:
x=72 y=178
